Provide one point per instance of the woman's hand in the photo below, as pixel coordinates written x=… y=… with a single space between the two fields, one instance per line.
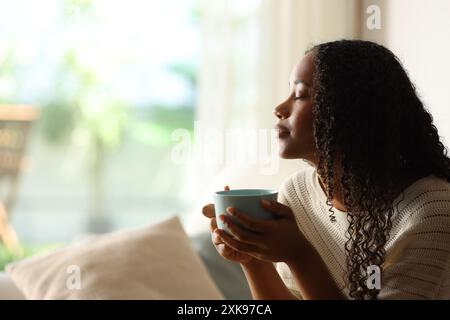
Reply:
x=224 y=250
x=278 y=240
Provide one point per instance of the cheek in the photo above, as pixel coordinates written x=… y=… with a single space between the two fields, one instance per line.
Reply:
x=301 y=142
x=302 y=123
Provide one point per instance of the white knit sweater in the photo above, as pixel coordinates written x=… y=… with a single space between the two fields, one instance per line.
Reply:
x=417 y=254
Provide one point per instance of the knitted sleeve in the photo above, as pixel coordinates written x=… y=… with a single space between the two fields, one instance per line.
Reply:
x=417 y=264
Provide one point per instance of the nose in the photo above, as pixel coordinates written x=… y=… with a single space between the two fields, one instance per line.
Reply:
x=281 y=111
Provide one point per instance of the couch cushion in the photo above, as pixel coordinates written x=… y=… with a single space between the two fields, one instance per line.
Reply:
x=8 y=290
x=154 y=262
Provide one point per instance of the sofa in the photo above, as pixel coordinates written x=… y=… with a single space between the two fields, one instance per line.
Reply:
x=228 y=276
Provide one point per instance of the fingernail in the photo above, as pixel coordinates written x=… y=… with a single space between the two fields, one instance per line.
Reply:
x=265 y=202
x=231 y=211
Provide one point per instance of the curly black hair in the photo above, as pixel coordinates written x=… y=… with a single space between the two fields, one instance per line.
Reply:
x=373 y=137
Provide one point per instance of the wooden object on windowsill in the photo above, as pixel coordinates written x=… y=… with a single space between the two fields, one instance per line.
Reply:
x=15 y=124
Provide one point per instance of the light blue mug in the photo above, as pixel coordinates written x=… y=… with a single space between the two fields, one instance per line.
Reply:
x=247 y=201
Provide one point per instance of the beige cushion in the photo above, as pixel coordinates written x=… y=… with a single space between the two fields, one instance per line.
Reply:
x=154 y=262
x=8 y=290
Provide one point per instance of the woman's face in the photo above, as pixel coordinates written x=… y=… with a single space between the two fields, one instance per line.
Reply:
x=295 y=127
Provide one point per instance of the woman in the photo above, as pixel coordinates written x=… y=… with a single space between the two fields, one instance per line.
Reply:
x=375 y=198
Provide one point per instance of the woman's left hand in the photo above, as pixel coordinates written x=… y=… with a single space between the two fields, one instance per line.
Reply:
x=278 y=240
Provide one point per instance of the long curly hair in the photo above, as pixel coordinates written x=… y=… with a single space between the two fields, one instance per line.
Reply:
x=374 y=138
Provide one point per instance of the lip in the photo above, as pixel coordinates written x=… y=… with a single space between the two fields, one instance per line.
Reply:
x=283 y=132
x=282 y=135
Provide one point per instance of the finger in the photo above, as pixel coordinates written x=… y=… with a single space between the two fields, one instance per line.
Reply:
x=216 y=239
x=221 y=249
x=277 y=208
x=213 y=225
x=256 y=225
x=236 y=244
x=241 y=234
x=208 y=210
x=224 y=250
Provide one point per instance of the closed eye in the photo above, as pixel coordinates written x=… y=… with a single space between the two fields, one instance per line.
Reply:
x=301 y=95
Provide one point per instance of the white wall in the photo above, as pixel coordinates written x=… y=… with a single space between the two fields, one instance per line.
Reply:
x=418 y=32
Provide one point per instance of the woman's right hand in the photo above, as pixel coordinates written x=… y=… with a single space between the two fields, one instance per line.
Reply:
x=224 y=250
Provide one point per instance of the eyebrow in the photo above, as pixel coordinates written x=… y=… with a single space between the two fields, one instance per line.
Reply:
x=299 y=81
x=302 y=82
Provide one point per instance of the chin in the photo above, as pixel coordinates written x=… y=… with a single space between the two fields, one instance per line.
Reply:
x=287 y=154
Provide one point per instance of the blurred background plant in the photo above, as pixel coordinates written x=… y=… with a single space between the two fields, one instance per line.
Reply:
x=8 y=256
x=94 y=119
x=86 y=112
x=111 y=89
